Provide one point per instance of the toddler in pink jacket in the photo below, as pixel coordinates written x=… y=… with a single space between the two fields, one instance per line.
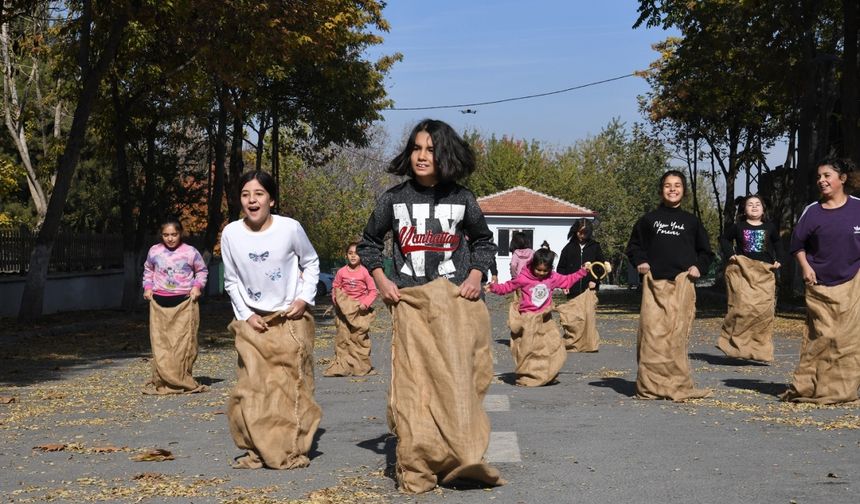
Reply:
x=537 y=282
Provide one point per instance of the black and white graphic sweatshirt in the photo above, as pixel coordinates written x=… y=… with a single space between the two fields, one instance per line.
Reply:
x=670 y=240
x=437 y=231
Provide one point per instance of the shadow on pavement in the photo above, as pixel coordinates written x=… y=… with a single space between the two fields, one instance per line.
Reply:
x=314 y=452
x=208 y=380
x=620 y=385
x=722 y=360
x=504 y=341
x=385 y=444
x=767 y=388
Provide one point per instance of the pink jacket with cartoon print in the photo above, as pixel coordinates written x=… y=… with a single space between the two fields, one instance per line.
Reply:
x=537 y=292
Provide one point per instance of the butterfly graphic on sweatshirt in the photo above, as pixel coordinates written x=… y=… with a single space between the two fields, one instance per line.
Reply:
x=274 y=275
x=259 y=257
x=254 y=295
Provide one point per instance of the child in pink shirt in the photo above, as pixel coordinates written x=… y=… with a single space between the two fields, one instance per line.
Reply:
x=354 y=280
x=353 y=317
x=537 y=281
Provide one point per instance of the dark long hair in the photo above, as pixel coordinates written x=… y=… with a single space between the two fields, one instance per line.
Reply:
x=452 y=156
x=519 y=240
x=580 y=224
x=844 y=166
x=265 y=180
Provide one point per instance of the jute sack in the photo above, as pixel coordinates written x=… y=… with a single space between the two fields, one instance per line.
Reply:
x=173 y=336
x=352 y=342
x=536 y=347
x=665 y=321
x=829 y=368
x=747 y=331
x=578 y=318
x=441 y=368
x=272 y=411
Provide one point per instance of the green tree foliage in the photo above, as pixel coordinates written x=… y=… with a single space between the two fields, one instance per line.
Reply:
x=332 y=197
x=744 y=74
x=614 y=173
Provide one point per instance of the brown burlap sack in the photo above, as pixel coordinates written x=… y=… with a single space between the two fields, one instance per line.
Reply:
x=536 y=347
x=272 y=411
x=578 y=318
x=173 y=336
x=829 y=368
x=352 y=342
x=665 y=321
x=441 y=368
x=747 y=331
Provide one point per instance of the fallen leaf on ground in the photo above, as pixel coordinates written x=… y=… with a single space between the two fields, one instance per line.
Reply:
x=148 y=476
x=51 y=447
x=106 y=449
x=7 y=400
x=154 y=455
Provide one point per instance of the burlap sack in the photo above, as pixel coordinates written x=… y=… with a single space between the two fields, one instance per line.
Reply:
x=578 y=318
x=173 y=336
x=352 y=342
x=272 y=411
x=665 y=321
x=441 y=368
x=747 y=331
x=829 y=368
x=536 y=347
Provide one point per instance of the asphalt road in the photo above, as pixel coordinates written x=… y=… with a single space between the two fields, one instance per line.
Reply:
x=584 y=439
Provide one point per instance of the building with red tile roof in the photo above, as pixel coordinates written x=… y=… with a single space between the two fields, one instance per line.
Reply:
x=541 y=216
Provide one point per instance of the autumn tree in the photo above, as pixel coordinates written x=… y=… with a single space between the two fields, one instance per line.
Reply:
x=94 y=32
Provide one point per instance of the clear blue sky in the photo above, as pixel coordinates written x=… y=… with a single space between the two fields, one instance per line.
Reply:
x=469 y=51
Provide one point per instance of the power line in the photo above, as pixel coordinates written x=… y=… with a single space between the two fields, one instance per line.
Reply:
x=517 y=98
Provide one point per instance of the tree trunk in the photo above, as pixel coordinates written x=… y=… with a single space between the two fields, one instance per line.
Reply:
x=261 y=140
x=32 y=300
x=216 y=216
x=850 y=113
x=237 y=164
x=126 y=208
x=276 y=156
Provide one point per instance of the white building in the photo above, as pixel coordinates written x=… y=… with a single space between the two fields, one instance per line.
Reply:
x=540 y=216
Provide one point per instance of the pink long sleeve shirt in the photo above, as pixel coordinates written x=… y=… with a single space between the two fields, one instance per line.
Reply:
x=356 y=283
x=174 y=272
x=537 y=292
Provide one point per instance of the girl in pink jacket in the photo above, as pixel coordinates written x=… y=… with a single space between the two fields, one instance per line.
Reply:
x=521 y=254
x=537 y=282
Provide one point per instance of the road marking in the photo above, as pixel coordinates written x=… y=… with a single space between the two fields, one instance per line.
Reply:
x=504 y=447
x=497 y=403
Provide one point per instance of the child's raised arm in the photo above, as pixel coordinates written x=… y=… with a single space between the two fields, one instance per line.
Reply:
x=567 y=281
x=504 y=288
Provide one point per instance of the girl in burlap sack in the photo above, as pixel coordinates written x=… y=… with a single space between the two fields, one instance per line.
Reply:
x=352 y=293
x=441 y=364
x=535 y=339
x=751 y=249
x=174 y=276
x=270 y=272
x=826 y=243
x=670 y=248
x=578 y=316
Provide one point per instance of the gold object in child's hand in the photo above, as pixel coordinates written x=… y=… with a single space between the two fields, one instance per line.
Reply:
x=598 y=270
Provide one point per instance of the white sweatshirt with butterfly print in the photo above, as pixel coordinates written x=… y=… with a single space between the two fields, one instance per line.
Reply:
x=265 y=271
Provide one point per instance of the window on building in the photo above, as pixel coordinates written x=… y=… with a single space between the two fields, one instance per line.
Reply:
x=504 y=239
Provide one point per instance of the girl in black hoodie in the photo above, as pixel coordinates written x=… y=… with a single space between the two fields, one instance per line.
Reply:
x=580 y=249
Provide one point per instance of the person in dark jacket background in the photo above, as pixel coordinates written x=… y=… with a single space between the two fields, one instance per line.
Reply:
x=580 y=249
